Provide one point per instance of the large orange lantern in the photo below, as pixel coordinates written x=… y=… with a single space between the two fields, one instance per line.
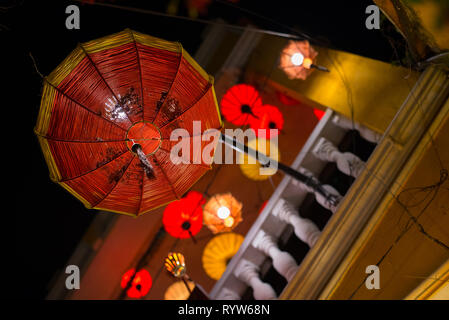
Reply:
x=107 y=113
x=222 y=213
x=298 y=60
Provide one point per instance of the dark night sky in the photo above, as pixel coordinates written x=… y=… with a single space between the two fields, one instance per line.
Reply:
x=49 y=221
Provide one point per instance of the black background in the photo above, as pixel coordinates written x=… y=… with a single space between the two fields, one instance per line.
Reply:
x=49 y=222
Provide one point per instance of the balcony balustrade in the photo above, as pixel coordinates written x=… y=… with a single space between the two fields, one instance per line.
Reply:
x=287 y=220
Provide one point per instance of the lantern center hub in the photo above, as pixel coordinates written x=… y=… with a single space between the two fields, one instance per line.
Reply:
x=186 y=225
x=146 y=134
x=246 y=109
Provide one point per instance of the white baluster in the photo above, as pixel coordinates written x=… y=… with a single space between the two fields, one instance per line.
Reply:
x=228 y=294
x=283 y=262
x=305 y=229
x=347 y=162
x=318 y=197
x=365 y=133
x=248 y=272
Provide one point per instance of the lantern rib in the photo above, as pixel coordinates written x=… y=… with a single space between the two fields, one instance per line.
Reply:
x=297 y=47
x=225 y=97
x=254 y=94
x=173 y=81
x=292 y=66
x=101 y=76
x=140 y=73
x=96 y=168
x=78 y=141
x=247 y=117
x=193 y=135
x=209 y=85
x=236 y=118
x=197 y=164
x=166 y=177
x=237 y=98
x=254 y=97
x=81 y=105
x=115 y=185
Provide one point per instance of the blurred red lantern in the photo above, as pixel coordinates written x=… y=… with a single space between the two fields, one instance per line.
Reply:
x=318 y=113
x=264 y=204
x=184 y=218
x=239 y=104
x=267 y=117
x=197 y=7
x=285 y=99
x=141 y=284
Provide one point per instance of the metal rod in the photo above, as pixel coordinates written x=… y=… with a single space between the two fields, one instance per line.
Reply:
x=197 y=20
x=268 y=162
x=191 y=236
x=321 y=68
x=187 y=286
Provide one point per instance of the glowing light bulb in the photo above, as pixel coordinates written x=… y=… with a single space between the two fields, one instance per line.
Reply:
x=229 y=222
x=307 y=63
x=297 y=59
x=223 y=212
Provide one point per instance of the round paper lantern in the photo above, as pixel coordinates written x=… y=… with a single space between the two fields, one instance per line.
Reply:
x=175 y=264
x=184 y=218
x=239 y=104
x=141 y=284
x=297 y=59
x=178 y=290
x=267 y=117
x=222 y=213
x=219 y=251
x=251 y=169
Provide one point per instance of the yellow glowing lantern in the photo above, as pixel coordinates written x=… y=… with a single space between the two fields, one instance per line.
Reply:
x=219 y=251
x=178 y=291
x=297 y=60
x=252 y=168
x=175 y=264
x=222 y=213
